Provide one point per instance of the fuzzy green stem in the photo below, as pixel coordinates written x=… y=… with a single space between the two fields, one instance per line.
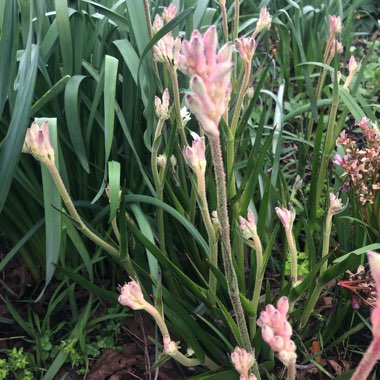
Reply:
x=224 y=20
x=326 y=154
x=73 y=212
x=232 y=284
x=293 y=255
x=212 y=240
x=318 y=289
x=369 y=360
x=157 y=317
x=258 y=281
x=159 y=185
x=178 y=356
x=177 y=104
x=236 y=19
x=321 y=81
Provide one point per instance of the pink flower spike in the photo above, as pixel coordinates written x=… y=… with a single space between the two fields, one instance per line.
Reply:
x=169 y=12
x=286 y=216
x=210 y=73
x=246 y=48
x=335 y=25
x=277 y=331
x=132 y=296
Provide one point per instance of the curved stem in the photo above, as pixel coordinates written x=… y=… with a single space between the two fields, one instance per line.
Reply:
x=74 y=213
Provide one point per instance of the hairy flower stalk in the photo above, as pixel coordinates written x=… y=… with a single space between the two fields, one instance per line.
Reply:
x=37 y=142
x=162 y=112
x=223 y=9
x=248 y=230
x=287 y=218
x=131 y=295
x=210 y=73
x=372 y=355
x=277 y=332
x=196 y=159
x=335 y=207
x=333 y=47
x=327 y=150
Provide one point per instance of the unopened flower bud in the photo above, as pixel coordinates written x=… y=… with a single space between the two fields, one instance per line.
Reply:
x=264 y=20
x=158 y=23
x=169 y=12
x=336 y=205
x=196 y=154
x=335 y=25
x=132 y=296
x=162 y=107
x=246 y=48
x=108 y=193
x=170 y=347
x=37 y=142
x=286 y=216
x=250 y=92
x=173 y=161
x=167 y=50
x=162 y=160
x=242 y=361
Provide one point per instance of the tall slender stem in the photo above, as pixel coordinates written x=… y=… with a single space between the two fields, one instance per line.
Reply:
x=258 y=281
x=220 y=180
x=213 y=243
x=293 y=256
x=224 y=19
x=177 y=104
x=236 y=19
x=159 y=185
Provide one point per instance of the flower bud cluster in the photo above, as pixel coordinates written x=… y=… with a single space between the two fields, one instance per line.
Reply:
x=276 y=331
